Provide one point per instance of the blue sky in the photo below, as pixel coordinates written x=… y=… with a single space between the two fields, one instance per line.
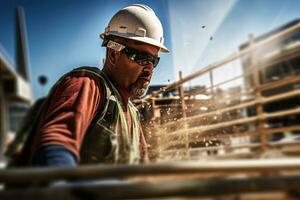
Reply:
x=63 y=34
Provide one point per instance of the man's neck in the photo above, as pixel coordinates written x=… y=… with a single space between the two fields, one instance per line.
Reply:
x=125 y=97
x=123 y=93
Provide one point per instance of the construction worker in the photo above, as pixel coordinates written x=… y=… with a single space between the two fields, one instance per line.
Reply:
x=88 y=116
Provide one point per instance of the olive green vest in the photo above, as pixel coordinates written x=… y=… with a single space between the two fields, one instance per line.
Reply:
x=109 y=139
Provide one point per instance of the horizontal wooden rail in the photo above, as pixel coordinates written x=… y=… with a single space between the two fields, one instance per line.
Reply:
x=275 y=84
x=35 y=175
x=267 y=86
x=193 y=188
x=232 y=147
x=235 y=122
x=232 y=57
x=167 y=143
x=239 y=106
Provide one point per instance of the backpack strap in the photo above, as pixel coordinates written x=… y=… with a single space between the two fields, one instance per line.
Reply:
x=83 y=71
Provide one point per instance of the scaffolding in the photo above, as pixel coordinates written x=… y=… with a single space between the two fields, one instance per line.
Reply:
x=237 y=122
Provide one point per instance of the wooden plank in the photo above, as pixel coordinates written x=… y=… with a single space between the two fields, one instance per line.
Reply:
x=25 y=175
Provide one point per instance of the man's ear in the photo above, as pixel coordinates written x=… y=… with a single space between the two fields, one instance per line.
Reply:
x=113 y=56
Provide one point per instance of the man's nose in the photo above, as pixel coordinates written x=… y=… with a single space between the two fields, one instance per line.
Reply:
x=149 y=68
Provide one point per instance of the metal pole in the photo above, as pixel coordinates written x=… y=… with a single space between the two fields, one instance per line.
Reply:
x=2 y=118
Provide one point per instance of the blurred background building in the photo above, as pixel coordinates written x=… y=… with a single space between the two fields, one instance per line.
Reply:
x=277 y=61
x=15 y=88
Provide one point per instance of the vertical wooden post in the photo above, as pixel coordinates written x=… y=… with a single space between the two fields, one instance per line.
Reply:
x=153 y=105
x=181 y=95
x=211 y=79
x=256 y=83
x=155 y=123
x=183 y=110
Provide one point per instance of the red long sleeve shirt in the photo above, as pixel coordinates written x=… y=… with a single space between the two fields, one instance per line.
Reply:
x=68 y=113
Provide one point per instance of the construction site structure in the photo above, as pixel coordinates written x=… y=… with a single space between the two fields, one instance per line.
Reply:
x=15 y=88
x=251 y=115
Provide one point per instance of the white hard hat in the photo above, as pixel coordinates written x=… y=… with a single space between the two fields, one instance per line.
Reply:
x=137 y=22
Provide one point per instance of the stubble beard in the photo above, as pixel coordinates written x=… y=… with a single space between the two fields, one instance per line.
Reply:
x=139 y=89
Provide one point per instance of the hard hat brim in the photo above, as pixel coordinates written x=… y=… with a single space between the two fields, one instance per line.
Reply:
x=145 y=40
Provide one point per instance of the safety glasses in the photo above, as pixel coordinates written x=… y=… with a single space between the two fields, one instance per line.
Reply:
x=139 y=57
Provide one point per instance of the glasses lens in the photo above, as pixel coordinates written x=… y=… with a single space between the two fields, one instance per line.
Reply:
x=141 y=58
x=149 y=60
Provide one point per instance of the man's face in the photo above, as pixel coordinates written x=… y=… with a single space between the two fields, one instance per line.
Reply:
x=131 y=76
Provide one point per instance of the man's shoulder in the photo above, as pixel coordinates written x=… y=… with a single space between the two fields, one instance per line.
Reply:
x=84 y=77
x=77 y=79
x=85 y=71
x=81 y=75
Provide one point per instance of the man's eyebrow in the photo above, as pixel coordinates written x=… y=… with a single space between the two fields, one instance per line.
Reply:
x=138 y=43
